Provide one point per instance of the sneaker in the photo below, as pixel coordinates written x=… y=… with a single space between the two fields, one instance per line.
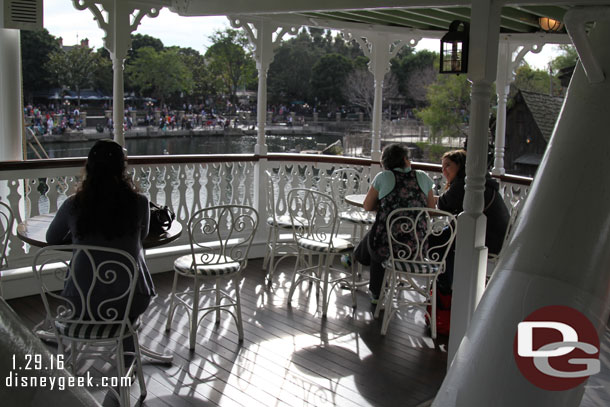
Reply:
x=374 y=298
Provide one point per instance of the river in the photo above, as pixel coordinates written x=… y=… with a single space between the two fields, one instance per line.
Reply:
x=203 y=144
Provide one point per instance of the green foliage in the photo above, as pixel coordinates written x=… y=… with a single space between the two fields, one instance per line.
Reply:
x=36 y=46
x=328 y=78
x=534 y=80
x=103 y=75
x=449 y=104
x=161 y=74
x=566 y=59
x=433 y=152
x=415 y=71
x=74 y=68
x=229 y=63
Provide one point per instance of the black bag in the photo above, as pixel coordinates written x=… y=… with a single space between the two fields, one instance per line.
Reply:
x=160 y=219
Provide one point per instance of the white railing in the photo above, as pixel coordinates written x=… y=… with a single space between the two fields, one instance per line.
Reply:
x=187 y=183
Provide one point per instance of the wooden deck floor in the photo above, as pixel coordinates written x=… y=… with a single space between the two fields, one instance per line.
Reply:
x=290 y=355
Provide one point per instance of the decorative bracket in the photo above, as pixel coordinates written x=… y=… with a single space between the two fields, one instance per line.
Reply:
x=260 y=34
x=116 y=10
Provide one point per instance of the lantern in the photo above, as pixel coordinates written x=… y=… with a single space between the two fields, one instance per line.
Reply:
x=550 y=25
x=454 y=48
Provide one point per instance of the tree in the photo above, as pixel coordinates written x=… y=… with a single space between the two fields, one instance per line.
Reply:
x=449 y=105
x=415 y=72
x=328 y=78
x=230 y=63
x=74 y=68
x=360 y=89
x=535 y=80
x=566 y=59
x=36 y=46
x=160 y=73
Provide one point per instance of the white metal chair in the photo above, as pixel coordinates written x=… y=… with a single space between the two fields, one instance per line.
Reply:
x=348 y=181
x=7 y=219
x=317 y=236
x=105 y=280
x=417 y=257
x=220 y=239
x=278 y=243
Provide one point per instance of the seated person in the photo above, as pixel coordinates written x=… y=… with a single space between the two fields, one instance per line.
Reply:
x=451 y=200
x=106 y=211
x=398 y=186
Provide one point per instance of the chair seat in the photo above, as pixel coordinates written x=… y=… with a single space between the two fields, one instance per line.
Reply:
x=359 y=217
x=415 y=268
x=339 y=245
x=90 y=331
x=216 y=265
x=284 y=221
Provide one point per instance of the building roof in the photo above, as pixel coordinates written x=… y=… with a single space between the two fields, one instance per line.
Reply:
x=529 y=159
x=545 y=110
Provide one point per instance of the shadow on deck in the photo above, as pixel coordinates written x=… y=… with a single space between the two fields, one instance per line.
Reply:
x=290 y=355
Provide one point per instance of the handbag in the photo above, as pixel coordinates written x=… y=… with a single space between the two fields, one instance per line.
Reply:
x=161 y=219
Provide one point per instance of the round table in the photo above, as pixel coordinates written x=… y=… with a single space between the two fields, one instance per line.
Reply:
x=34 y=232
x=356 y=199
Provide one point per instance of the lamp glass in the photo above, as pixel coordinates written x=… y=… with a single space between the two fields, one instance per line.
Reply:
x=550 y=25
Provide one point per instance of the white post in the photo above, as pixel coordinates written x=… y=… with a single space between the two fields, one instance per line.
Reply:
x=508 y=62
x=471 y=254
x=118 y=28
x=11 y=99
x=379 y=48
x=260 y=34
x=557 y=254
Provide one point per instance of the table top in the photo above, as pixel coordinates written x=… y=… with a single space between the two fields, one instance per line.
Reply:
x=34 y=232
x=356 y=199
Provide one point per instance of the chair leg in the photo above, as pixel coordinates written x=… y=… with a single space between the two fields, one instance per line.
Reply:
x=433 y=316
x=382 y=295
x=240 y=328
x=325 y=274
x=271 y=259
x=389 y=309
x=217 y=300
x=269 y=248
x=194 y=316
x=172 y=304
x=121 y=372
x=293 y=285
x=140 y=373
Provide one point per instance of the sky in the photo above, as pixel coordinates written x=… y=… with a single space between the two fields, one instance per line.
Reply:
x=61 y=19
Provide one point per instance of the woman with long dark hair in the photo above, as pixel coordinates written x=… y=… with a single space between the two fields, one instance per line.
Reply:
x=106 y=211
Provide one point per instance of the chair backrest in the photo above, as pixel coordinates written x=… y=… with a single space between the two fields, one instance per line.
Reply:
x=346 y=181
x=420 y=237
x=313 y=214
x=99 y=284
x=7 y=219
x=222 y=234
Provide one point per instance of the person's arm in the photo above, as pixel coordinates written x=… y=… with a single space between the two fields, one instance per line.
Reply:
x=371 y=201
x=59 y=229
x=431 y=200
x=452 y=199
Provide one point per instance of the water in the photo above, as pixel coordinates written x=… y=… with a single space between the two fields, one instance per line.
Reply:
x=205 y=144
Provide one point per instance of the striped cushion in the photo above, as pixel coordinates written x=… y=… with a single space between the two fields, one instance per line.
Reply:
x=90 y=331
x=416 y=268
x=361 y=218
x=284 y=221
x=215 y=265
x=339 y=245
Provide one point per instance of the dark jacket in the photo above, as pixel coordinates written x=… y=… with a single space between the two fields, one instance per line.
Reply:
x=495 y=209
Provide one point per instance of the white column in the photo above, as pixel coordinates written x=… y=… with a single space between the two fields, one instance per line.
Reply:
x=11 y=100
x=121 y=21
x=471 y=254
x=557 y=254
x=508 y=62
x=260 y=34
x=379 y=48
